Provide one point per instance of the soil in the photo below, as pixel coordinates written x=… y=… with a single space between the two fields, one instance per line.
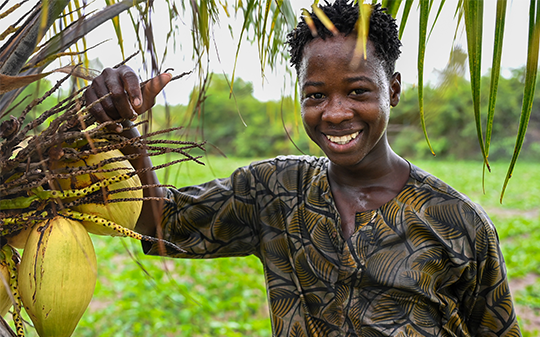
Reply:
x=529 y=318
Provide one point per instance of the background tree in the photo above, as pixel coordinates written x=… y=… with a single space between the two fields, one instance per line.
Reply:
x=265 y=22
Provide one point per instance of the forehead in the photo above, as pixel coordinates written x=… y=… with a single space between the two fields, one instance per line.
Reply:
x=340 y=52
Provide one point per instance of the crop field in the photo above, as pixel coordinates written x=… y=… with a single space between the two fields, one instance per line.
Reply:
x=140 y=295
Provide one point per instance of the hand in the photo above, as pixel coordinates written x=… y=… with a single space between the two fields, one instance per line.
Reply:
x=127 y=100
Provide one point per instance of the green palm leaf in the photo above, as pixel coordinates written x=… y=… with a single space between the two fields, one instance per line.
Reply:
x=495 y=72
x=424 y=15
x=441 y=5
x=473 y=10
x=495 y=67
x=262 y=40
x=58 y=43
x=405 y=16
x=530 y=86
x=247 y=20
x=392 y=6
x=117 y=30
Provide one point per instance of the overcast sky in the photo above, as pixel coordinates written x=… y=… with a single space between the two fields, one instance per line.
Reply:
x=438 y=49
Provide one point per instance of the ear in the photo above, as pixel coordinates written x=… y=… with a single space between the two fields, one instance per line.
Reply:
x=395 y=89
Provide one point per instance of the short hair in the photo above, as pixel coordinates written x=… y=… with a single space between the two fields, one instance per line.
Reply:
x=383 y=32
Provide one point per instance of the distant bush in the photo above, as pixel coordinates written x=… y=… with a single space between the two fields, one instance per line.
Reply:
x=452 y=133
x=270 y=126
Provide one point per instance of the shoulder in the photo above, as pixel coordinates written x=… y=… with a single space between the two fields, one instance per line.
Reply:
x=440 y=201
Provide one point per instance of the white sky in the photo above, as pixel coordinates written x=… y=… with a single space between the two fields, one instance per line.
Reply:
x=275 y=84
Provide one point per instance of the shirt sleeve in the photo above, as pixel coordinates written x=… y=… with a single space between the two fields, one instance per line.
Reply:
x=493 y=311
x=215 y=219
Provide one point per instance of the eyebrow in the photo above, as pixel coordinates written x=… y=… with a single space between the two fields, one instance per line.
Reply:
x=348 y=80
x=313 y=84
x=359 y=79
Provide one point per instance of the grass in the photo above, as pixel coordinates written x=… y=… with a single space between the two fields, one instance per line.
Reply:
x=140 y=295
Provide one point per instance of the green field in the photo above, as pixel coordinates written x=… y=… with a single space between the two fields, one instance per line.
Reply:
x=139 y=295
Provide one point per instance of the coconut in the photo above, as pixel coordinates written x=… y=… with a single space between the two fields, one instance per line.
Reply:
x=124 y=213
x=57 y=275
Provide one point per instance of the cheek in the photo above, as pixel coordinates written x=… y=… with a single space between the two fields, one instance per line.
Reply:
x=383 y=117
x=309 y=120
x=308 y=116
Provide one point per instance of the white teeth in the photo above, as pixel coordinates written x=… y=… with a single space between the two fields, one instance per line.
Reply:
x=343 y=139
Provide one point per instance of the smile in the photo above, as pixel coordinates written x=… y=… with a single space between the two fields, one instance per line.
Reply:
x=342 y=140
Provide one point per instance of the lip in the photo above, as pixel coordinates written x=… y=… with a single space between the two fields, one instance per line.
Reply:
x=343 y=140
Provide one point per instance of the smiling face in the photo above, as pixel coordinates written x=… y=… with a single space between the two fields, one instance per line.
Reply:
x=345 y=107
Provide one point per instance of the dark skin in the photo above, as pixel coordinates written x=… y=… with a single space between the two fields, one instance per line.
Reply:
x=128 y=101
x=346 y=103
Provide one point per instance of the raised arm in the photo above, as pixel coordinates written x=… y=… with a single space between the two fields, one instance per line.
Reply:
x=127 y=101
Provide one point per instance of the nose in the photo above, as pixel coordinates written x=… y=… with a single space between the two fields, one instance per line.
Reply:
x=337 y=111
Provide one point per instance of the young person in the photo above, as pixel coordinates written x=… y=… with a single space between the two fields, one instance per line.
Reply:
x=357 y=243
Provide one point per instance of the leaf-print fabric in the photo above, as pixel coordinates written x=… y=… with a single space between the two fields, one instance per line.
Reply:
x=427 y=263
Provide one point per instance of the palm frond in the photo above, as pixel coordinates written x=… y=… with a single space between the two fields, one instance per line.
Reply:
x=473 y=23
x=530 y=86
x=423 y=21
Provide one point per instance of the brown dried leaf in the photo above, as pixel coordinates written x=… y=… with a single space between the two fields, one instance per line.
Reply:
x=78 y=71
x=8 y=83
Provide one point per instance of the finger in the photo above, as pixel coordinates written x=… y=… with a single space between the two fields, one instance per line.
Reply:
x=152 y=88
x=98 y=112
x=131 y=85
x=120 y=106
x=99 y=87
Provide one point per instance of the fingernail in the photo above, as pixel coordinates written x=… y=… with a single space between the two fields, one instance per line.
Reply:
x=134 y=117
x=136 y=102
x=118 y=128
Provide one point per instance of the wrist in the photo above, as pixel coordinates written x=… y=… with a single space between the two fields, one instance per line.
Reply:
x=128 y=130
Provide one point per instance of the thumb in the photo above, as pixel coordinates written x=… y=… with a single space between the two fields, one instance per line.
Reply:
x=151 y=89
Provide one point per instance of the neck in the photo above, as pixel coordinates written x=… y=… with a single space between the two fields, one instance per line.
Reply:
x=385 y=169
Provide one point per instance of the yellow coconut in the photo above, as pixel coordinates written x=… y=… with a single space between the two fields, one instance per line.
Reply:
x=123 y=213
x=18 y=240
x=57 y=276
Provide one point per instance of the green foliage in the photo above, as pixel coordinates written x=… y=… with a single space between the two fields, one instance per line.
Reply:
x=448 y=106
x=34 y=91
x=449 y=109
x=152 y=296
x=240 y=125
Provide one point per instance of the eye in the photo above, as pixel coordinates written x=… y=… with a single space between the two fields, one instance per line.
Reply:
x=316 y=95
x=358 y=92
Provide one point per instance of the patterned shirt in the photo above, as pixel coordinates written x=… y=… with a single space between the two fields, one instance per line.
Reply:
x=426 y=263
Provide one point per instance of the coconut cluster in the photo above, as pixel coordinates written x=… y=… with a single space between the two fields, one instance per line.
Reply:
x=62 y=176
